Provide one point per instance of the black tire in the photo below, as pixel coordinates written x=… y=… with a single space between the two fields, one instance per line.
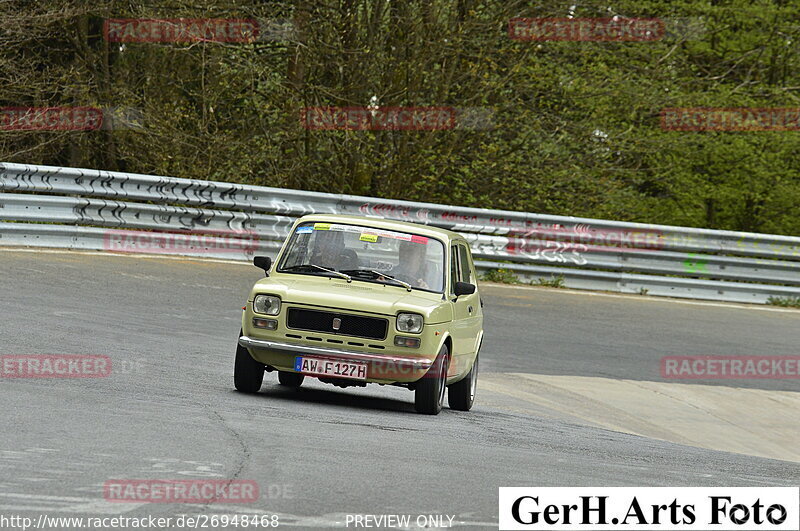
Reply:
x=290 y=379
x=429 y=394
x=248 y=374
x=461 y=395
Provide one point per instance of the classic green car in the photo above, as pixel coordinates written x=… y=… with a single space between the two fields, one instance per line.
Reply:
x=353 y=300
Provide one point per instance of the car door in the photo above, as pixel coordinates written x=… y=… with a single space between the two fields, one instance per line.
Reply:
x=467 y=315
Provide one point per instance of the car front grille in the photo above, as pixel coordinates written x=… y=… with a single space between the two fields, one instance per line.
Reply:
x=349 y=325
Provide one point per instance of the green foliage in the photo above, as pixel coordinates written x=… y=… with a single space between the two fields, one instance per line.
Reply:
x=576 y=124
x=789 y=302
x=504 y=276
x=555 y=281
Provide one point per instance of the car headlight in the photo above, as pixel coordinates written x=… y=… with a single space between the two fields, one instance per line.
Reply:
x=409 y=322
x=267 y=304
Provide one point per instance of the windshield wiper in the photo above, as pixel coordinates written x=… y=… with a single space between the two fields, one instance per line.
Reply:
x=306 y=267
x=378 y=275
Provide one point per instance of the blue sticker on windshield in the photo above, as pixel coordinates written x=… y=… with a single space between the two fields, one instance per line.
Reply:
x=305 y=228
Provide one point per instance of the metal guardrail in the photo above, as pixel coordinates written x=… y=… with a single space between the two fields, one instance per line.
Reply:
x=89 y=209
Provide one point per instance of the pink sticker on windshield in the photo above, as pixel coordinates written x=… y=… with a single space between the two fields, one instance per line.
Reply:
x=419 y=239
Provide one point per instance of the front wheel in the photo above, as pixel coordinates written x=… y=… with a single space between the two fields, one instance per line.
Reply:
x=248 y=374
x=429 y=394
x=461 y=395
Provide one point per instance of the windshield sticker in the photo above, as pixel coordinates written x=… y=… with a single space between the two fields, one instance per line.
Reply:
x=371 y=232
x=304 y=229
x=368 y=238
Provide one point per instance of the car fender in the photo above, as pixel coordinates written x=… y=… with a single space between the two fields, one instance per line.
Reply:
x=445 y=336
x=441 y=343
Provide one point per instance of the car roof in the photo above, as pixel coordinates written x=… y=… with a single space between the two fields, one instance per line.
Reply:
x=387 y=224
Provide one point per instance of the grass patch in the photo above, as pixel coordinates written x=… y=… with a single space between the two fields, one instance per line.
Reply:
x=552 y=282
x=789 y=302
x=507 y=276
x=504 y=276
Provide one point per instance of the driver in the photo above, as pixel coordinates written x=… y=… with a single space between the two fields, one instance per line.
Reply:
x=330 y=251
x=413 y=267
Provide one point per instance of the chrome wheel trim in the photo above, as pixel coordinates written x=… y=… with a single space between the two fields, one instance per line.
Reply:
x=442 y=381
x=473 y=385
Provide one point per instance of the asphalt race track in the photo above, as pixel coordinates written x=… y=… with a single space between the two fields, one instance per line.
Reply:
x=168 y=409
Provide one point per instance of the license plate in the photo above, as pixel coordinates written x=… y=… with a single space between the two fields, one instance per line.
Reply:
x=335 y=368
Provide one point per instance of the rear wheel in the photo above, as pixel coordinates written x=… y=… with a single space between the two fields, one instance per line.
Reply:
x=461 y=395
x=248 y=374
x=290 y=379
x=429 y=394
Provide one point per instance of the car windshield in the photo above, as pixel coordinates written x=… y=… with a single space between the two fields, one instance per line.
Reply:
x=366 y=254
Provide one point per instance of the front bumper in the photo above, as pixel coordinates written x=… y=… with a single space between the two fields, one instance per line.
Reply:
x=380 y=367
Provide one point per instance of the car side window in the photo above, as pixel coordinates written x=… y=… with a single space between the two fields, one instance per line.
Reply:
x=454 y=261
x=464 y=269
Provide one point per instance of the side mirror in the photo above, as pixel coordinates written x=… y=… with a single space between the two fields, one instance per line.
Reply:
x=464 y=288
x=263 y=262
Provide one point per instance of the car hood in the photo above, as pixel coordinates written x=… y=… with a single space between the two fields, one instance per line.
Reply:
x=354 y=296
